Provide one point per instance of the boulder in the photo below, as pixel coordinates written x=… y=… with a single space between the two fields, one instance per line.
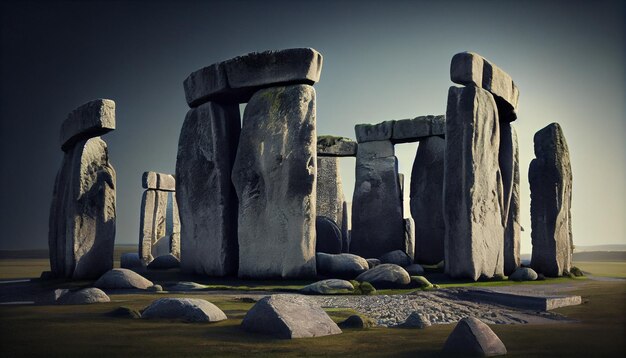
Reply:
x=397 y=257
x=207 y=202
x=186 y=286
x=513 y=228
x=164 y=262
x=416 y=320
x=130 y=260
x=331 y=146
x=83 y=297
x=328 y=287
x=386 y=276
x=152 y=224
x=550 y=178
x=92 y=119
x=471 y=69
x=329 y=190
x=82 y=214
x=340 y=266
x=473 y=192
x=186 y=309
x=155 y=288
x=328 y=236
x=523 y=274
x=371 y=263
x=427 y=200
x=421 y=282
x=357 y=322
x=473 y=337
x=275 y=178
x=237 y=79
x=374 y=132
x=122 y=279
x=289 y=316
x=158 y=181
x=124 y=312
x=414 y=270
x=418 y=128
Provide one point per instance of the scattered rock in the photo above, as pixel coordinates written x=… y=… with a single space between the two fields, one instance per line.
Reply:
x=415 y=270
x=373 y=262
x=386 y=276
x=328 y=236
x=124 y=312
x=155 y=288
x=340 y=265
x=164 y=262
x=523 y=274
x=289 y=316
x=119 y=278
x=186 y=286
x=397 y=257
x=416 y=320
x=357 y=322
x=130 y=260
x=83 y=297
x=473 y=337
x=362 y=288
x=421 y=281
x=328 y=287
x=186 y=309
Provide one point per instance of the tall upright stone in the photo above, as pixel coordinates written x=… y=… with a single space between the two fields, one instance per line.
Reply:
x=550 y=177
x=377 y=215
x=473 y=195
x=206 y=198
x=513 y=228
x=82 y=214
x=275 y=178
x=330 y=196
x=427 y=200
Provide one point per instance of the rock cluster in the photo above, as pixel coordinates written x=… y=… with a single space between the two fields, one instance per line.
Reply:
x=82 y=214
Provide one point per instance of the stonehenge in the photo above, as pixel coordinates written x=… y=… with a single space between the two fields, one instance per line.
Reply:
x=82 y=214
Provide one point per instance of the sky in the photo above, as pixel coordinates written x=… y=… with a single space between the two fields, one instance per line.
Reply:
x=382 y=61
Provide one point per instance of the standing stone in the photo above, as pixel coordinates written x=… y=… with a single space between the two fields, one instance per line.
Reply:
x=512 y=230
x=275 y=178
x=345 y=228
x=427 y=200
x=330 y=196
x=206 y=199
x=473 y=193
x=152 y=223
x=550 y=177
x=175 y=234
x=377 y=215
x=409 y=238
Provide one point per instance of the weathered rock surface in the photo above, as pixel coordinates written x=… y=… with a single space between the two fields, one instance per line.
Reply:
x=409 y=238
x=237 y=79
x=373 y=262
x=332 y=146
x=473 y=193
x=152 y=224
x=385 y=275
x=82 y=214
x=186 y=309
x=513 y=228
x=377 y=215
x=330 y=198
x=130 y=260
x=471 y=69
x=119 y=278
x=340 y=266
x=473 y=337
x=289 y=316
x=83 y=297
x=550 y=177
x=328 y=287
x=159 y=181
x=92 y=119
x=416 y=320
x=164 y=262
x=524 y=274
x=414 y=270
x=418 y=128
x=373 y=132
x=427 y=200
x=397 y=257
x=207 y=202
x=275 y=179
x=328 y=236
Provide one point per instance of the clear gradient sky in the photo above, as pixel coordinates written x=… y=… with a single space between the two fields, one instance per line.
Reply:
x=382 y=61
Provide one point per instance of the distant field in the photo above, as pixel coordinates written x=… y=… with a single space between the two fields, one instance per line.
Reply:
x=605 y=269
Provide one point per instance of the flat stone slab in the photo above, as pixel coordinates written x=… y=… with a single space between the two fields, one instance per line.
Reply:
x=402 y=130
x=237 y=79
x=92 y=119
x=158 y=181
x=331 y=146
x=531 y=301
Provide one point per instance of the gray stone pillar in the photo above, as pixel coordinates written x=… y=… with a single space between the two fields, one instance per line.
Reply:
x=512 y=230
x=330 y=196
x=550 y=177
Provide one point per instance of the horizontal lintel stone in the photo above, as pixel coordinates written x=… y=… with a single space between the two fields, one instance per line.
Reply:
x=402 y=130
x=92 y=119
x=158 y=181
x=331 y=146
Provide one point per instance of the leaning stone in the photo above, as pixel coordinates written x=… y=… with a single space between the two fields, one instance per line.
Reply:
x=328 y=236
x=373 y=262
x=414 y=270
x=471 y=69
x=207 y=202
x=237 y=79
x=427 y=200
x=473 y=337
x=152 y=224
x=473 y=193
x=275 y=178
x=92 y=119
x=159 y=181
x=185 y=309
x=328 y=287
x=550 y=178
x=130 y=260
x=418 y=128
x=512 y=230
x=416 y=320
x=122 y=279
x=83 y=297
x=397 y=257
x=331 y=146
x=409 y=238
x=357 y=322
x=164 y=262
x=329 y=190
x=82 y=214
x=386 y=275
x=287 y=317
x=523 y=274
x=340 y=266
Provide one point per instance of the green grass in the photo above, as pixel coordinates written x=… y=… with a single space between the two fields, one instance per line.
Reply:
x=604 y=269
